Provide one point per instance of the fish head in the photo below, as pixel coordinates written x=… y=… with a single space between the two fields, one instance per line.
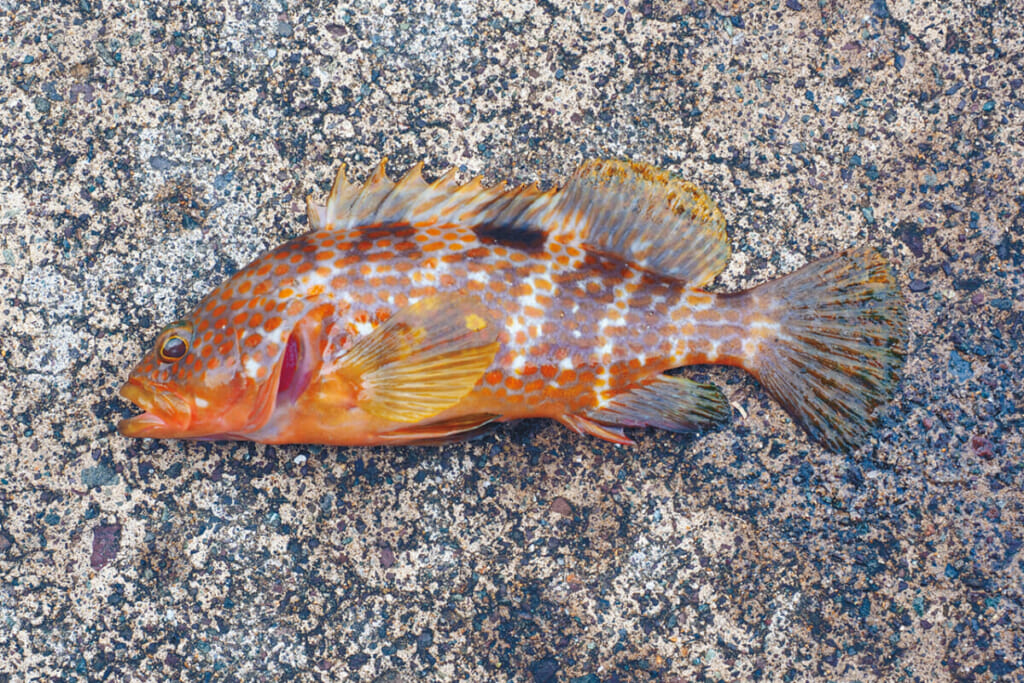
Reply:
x=236 y=365
x=191 y=384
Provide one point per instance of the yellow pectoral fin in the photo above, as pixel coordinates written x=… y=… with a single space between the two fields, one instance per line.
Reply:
x=424 y=359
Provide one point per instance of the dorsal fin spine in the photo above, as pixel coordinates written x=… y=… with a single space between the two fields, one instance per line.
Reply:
x=339 y=190
x=445 y=179
x=380 y=173
x=313 y=214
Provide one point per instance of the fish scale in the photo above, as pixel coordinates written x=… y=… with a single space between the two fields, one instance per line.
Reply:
x=416 y=312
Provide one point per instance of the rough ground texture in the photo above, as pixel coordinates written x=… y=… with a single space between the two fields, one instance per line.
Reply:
x=147 y=153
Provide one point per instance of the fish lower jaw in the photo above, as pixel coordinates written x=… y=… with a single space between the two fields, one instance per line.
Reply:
x=162 y=417
x=146 y=425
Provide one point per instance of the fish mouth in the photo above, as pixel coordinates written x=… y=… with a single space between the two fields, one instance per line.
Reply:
x=164 y=414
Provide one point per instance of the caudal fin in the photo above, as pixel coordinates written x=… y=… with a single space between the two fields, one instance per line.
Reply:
x=836 y=351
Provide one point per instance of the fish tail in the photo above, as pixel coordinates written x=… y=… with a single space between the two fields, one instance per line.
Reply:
x=834 y=344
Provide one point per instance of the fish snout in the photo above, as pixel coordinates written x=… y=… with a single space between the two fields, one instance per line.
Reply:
x=164 y=413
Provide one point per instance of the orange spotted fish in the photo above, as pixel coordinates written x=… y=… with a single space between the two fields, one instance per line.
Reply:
x=418 y=312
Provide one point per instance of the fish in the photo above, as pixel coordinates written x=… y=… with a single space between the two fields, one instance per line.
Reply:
x=418 y=312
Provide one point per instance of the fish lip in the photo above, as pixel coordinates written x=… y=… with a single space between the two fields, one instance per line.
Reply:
x=164 y=414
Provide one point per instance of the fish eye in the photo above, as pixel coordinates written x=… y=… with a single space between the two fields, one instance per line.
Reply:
x=173 y=348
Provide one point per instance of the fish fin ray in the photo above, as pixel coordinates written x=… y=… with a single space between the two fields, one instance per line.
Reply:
x=644 y=216
x=412 y=200
x=841 y=341
x=341 y=194
x=422 y=360
x=581 y=424
x=667 y=402
x=444 y=431
x=315 y=214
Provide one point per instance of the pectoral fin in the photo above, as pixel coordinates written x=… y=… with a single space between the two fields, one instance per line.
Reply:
x=443 y=431
x=422 y=360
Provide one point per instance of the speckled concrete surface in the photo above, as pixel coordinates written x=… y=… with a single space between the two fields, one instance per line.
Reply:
x=146 y=153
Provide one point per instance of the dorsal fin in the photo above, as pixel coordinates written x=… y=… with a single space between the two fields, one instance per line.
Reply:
x=412 y=200
x=631 y=211
x=646 y=217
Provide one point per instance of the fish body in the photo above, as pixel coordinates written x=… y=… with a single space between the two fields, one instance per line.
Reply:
x=418 y=312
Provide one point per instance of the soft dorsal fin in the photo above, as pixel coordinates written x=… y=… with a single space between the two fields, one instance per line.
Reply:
x=631 y=211
x=642 y=215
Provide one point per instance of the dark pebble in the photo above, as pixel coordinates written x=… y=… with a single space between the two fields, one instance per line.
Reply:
x=960 y=368
x=221 y=181
x=160 y=163
x=1001 y=667
x=106 y=542
x=98 y=476
x=794 y=5
x=50 y=90
x=561 y=506
x=357 y=661
x=387 y=557
x=951 y=572
x=1002 y=303
x=425 y=639
x=919 y=285
x=982 y=447
x=284 y=29
x=545 y=670
x=83 y=89
x=880 y=9
x=588 y=678
x=42 y=105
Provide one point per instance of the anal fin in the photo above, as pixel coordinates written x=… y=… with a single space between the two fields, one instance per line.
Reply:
x=667 y=402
